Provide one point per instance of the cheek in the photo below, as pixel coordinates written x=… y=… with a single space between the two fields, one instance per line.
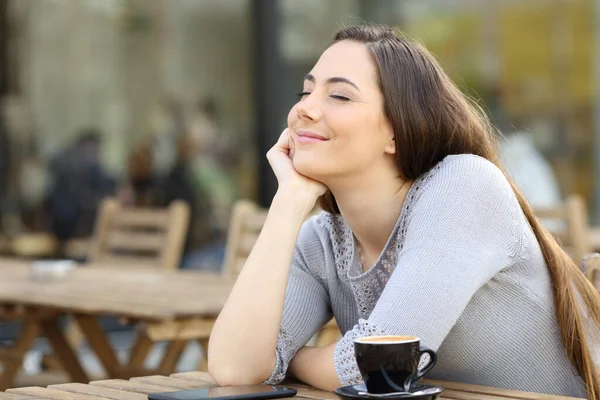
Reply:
x=355 y=130
x=360 y=141
x=292 y=116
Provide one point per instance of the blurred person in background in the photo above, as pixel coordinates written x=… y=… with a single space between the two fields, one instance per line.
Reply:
x=531 y=172
x=34 y=181
x=526 y=164
x=202 y=248
x=522 y=159
x=529 y=168
x=4 y=162
x=142 y=186
x=216 y=159
x=167 y=122
x=80 y=182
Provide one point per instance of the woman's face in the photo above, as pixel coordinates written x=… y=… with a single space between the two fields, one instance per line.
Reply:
x=338 y=127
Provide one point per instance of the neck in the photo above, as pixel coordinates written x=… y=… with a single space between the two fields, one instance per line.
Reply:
x=371 y=205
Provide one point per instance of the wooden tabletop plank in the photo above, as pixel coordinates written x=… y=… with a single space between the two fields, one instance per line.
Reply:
x=44 y=393
x=16 y=396
x=315 y=394
x=458 y=395
x=99 y=391
x=129 y=386
x=171 y=382
x=485 y=390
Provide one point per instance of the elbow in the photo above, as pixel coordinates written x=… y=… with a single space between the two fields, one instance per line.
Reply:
x=227 y=367
x=228 y=374
x=221 y=376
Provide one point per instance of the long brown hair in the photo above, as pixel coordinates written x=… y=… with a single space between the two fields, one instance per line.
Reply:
x=431 y=119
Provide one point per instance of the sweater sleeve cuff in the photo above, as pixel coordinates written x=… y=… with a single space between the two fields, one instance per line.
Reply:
x=345 y=361
x=284 y=352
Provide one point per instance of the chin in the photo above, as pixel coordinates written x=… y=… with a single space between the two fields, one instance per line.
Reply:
x=308 y=167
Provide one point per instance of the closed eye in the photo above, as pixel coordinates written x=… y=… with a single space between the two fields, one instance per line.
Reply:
x=302 y=94
x=341 y=98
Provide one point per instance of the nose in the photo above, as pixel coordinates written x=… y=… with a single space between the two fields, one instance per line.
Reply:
x=308 y=109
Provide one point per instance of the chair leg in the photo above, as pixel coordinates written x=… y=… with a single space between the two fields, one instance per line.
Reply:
x=98 y=341
x=140 y=350
x=12 y=365
x=63 y=350
x=75 y=338
x=203 y=362
x=172 y=355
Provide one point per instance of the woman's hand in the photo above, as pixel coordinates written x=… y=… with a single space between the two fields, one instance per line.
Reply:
x=280 y=157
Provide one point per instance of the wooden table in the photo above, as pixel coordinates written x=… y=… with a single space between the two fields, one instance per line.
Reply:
x=139 y=388
x=175 y=306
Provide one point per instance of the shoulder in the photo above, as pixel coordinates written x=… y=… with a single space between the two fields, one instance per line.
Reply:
x=322 y=227
x=326 y=244
x=472 y=168
x=314 y=227
x=466 y=194
x=465 y=177
x=314 y=242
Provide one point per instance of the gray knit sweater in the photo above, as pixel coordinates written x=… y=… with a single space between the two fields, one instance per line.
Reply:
x=462 y=270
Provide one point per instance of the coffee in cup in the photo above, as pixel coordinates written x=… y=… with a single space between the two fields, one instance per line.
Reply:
x=391 y=363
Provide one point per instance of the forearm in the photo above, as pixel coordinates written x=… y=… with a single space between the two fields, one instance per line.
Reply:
x=243 y=340
x=315 y=366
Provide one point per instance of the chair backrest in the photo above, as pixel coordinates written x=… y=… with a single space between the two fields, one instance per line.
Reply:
x=591 y=268
x=572 y=226
x=148 y=237
x=247 y=220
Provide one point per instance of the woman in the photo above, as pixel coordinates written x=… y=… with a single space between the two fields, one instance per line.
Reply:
x=423 y=235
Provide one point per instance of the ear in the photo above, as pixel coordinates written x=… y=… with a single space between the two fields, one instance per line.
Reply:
x=390 y=139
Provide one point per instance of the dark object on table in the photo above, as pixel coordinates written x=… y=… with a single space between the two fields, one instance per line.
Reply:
x=241 y=392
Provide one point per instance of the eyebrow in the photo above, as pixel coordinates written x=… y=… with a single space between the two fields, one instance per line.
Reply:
x=335 y=79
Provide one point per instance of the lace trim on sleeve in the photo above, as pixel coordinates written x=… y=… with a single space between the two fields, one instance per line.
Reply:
x=284 y=352
x=345 y=361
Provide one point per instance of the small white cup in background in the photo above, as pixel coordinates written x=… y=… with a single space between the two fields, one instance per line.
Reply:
x=51 y=270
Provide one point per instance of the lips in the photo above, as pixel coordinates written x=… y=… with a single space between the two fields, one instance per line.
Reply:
x=310 y=137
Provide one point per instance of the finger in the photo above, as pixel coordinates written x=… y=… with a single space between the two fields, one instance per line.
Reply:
x=283 y=140
x=282 y=144
x=291 y=146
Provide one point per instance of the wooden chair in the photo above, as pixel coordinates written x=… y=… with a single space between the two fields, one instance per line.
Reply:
x=573 y=235
x=591 y=268
x=134 y=237
x=247 y=220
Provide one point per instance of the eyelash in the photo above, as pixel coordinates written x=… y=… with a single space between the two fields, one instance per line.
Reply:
x=340 y=98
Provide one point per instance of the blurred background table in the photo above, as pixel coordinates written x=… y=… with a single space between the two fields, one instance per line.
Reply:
x=174 y=306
